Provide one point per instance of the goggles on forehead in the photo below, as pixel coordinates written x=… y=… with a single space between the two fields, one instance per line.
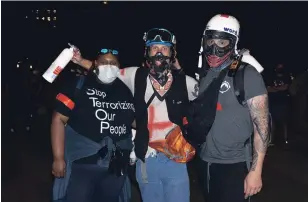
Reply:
x=105 y=51
x=159 y=36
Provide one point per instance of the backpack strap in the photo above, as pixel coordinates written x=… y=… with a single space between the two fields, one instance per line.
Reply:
x=237 y=71
x=140 y=80
x=238 y=83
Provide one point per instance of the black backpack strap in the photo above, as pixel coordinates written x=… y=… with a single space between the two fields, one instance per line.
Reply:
x=141 y=81
x=151 y=99
x=238 y=83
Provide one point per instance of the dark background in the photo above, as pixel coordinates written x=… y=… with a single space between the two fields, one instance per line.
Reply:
x=273 y=31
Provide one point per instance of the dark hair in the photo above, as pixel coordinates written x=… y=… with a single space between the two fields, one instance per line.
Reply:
x=102 y=54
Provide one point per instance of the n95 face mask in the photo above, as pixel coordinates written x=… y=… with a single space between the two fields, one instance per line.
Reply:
x=107 y=73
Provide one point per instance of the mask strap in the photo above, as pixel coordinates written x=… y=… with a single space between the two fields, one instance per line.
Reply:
x=200 y=58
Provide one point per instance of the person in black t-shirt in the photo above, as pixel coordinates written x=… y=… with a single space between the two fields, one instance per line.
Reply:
x=279 y=99
x=91 y=134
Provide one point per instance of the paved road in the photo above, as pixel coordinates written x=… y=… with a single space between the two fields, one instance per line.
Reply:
x=285 y=172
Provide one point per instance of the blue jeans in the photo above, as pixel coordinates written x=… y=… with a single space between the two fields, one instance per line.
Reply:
x=162 y=180
x=92 y=183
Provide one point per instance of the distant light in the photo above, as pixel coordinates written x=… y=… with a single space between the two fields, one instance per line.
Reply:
x=43 y=18
x=30 y=66
x=54 y=11
x=37 y=11
x=48 y=18
x=37 y=18
x=48 y=11
x=17 y=65
x=26 y=16
x=105 y=2
x=54 y=26
x=54 y=18
x=27 y=58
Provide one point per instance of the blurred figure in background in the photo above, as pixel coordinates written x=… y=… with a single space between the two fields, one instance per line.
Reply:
x=36 y=98
x=279 y=102
x=299 y=92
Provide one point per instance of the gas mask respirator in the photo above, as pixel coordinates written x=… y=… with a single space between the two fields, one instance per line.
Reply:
x=160 y=66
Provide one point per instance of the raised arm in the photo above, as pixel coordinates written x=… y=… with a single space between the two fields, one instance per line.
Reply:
x=79 y=60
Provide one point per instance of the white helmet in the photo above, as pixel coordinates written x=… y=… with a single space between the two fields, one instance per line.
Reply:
x=216 y=49
x=224 y=23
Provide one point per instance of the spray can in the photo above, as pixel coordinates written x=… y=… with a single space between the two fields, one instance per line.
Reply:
x=59 y=64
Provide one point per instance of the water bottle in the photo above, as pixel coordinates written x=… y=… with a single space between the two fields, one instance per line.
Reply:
x=59 y=64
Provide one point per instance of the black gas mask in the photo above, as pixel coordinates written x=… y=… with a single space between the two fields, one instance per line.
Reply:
x=218 y=47
x=160 y=66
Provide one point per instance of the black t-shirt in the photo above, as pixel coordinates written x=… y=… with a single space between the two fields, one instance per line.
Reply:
x=279 y=79
x=97 y=110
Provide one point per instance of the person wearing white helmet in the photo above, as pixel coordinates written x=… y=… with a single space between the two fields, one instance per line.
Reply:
x=236 y=106
x=161 y=97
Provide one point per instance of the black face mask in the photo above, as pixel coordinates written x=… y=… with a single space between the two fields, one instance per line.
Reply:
x=214 y=54
x=160 y=66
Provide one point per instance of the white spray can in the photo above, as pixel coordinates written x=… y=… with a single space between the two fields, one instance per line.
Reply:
x=59 y=64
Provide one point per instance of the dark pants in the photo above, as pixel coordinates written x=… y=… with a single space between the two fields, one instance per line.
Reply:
x=225 y=182
x=279 y=113
x=92 y=183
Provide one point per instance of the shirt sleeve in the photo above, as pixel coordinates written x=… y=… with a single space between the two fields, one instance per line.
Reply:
x=253 y=83
x=127 y=76
x=192 y=88
x=65 y=101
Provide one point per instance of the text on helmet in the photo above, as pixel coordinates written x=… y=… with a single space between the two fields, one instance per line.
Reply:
x=231 y=31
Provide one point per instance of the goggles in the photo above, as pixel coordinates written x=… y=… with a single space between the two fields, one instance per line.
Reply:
x=159 y=36
x=105 y=51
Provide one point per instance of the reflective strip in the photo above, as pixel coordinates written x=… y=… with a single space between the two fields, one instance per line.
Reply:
x=208 y=177
x=66 y=101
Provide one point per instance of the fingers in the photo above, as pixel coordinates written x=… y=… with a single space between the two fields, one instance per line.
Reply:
x=76 y=52
x=247 y=192
x=245 y=186
x=250 y=191
x=59 y=174
x=259 y=189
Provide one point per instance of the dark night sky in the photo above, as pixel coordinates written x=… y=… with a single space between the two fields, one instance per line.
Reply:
x=271 y=30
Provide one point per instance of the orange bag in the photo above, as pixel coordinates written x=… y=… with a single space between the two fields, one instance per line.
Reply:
x=174 y=146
